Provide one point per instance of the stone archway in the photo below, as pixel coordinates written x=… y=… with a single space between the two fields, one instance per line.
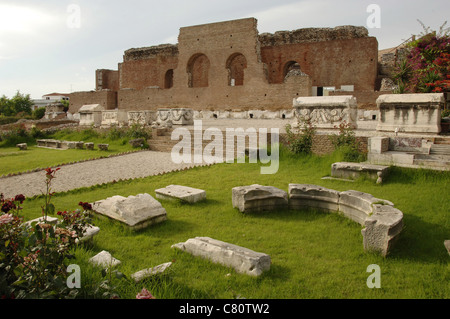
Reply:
x=168 y=79
x=291 y=66
x=198 y=70
x=236 y=64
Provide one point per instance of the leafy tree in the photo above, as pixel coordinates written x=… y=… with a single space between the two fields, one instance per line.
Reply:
x=22 y=103
x=5 y=106
x=39 y=113
x=19 y=103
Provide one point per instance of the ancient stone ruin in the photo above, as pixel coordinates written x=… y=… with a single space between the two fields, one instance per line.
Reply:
x=257 y=198
x=327 y=111
x=183 y=193
x=382 y=223
x=350 y=170
x=136 y=212
x=242 y=259
x=412 y=113
x=229 y=67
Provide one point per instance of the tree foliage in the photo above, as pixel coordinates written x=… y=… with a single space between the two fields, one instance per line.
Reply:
x=426 y=68
x=19 y=103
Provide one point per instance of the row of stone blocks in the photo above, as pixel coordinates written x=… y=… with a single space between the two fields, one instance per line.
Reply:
x=51 y=143
x=382 y=223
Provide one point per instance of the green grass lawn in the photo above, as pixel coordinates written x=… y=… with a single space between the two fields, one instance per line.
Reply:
x=12 y=160
x=314 y=254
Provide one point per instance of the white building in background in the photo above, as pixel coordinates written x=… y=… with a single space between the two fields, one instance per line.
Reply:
x=56 y=97
x=48 y=99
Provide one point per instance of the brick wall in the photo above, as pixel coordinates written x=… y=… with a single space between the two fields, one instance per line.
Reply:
x=366 y=100
x=322 y=144
x=106 y=98
x=198 y=71
x=106 y=80
x=329 y=63
x=147 y=67
x=245 y=97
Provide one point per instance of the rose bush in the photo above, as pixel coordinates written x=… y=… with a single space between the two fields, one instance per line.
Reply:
x=34 y=257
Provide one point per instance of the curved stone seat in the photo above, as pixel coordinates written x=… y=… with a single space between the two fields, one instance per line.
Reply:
x=257 y=198
x=358 y=205
x=382 y=223
x=307 y=195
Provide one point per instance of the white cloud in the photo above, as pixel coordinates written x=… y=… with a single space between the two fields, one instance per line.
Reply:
x=23 y=28
x=23 y=20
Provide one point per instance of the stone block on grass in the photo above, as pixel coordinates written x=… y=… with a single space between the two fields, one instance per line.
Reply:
x=184 y=193
x=22 y=146
x=257 y=198
x=104 y=259
x=103 y=147
x=314 y=196
x=243 y=260
x=89 y=146
x=137 y=212
x=382 y=228
x=349 y=170
x=150 y=272
x=358 y=206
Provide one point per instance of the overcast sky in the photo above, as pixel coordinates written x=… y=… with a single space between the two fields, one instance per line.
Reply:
x=56 y=45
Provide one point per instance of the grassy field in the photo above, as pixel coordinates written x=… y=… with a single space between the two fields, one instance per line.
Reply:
x=314 y=254
x=14 y=161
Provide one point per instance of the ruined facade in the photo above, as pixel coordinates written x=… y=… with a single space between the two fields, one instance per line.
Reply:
x=230 y=66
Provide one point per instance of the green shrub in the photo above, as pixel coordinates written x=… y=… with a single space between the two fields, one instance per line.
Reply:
x=445 y=113
x=301 y=142
x=34 y=258
x=39 y=113
x=138 y=131
x=347 y=144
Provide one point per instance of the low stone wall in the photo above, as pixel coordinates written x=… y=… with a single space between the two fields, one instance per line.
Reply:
x=382 y=223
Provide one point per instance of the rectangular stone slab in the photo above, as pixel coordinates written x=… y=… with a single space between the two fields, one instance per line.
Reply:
x=243 y=260
x=184 y=193
x=137 y=211
x=351 y=170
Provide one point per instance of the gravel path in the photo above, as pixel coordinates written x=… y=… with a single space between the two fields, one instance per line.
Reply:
x=72 y=176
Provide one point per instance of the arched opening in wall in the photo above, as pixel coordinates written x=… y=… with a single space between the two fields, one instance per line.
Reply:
x=168 y=79
x=198 y=69
x=291 y=67
x=236 y=64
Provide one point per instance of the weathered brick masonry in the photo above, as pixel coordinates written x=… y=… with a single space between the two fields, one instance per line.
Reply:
x=230 y=66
